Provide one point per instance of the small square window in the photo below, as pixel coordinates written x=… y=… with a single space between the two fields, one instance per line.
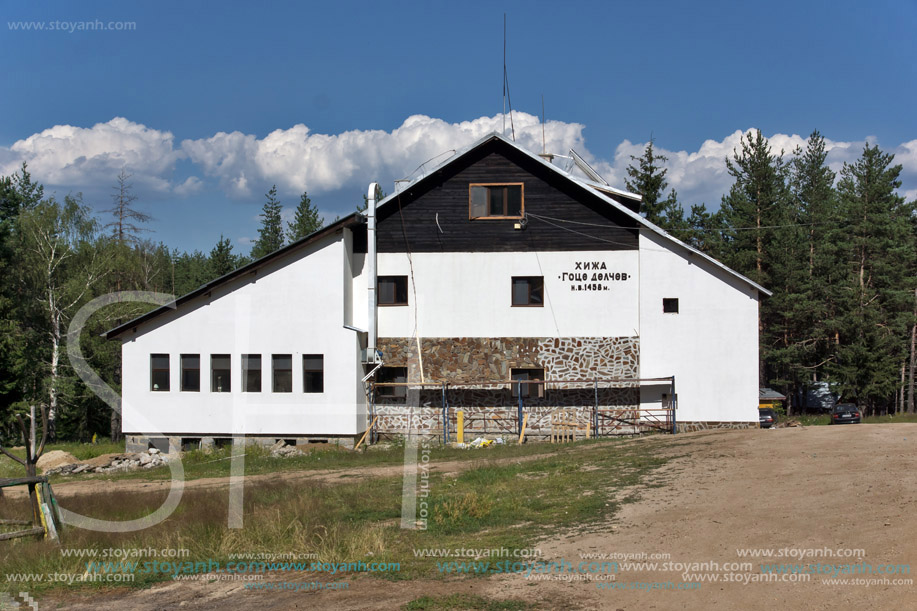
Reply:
x=191 y=372
x=251 y=373
x=159 y=372
x=530 y=389
x=528 y=291
x=282 y=365
x=392 y=290
x=220 y=373
x=392 y=375
x=670 y=305
x=313 y=373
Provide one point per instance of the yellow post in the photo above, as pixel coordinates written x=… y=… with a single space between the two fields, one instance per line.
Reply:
x=460 y=426
x=525 y=420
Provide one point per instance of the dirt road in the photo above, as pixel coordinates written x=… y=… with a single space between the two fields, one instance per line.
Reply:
x=809 y=494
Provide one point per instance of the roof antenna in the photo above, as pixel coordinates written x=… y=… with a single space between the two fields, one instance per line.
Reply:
x=506 y=95
x=549 y=157
x=543 y=146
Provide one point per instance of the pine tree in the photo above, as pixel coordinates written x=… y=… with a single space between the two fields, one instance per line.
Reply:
x=757 y=203
x=704 y=231
x=221 y=260
x=125 y=226
x=306 y=220
x=877 y=242
x=761 y=242
x=814 y=303
x=191 y=270
x=20 y=315
x=270 y=235
x=647 y=179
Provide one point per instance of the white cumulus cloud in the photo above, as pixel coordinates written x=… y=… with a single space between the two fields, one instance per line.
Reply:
x=297 y=160
x=91 y=157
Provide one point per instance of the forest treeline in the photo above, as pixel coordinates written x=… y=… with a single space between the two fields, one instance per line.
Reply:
x=839 y=253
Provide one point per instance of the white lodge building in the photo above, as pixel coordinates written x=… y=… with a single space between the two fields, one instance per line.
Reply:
x=495 y=266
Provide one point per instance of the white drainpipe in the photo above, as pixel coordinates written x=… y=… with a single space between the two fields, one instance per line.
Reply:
x=371 y=281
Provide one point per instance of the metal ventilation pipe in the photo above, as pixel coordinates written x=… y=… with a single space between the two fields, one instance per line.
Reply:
x=374 y=193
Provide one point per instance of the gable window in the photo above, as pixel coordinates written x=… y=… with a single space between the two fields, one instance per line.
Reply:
x=392 y=290
x=528 y=291
x=528 y=390
x=191 y=372
x=392 y=375
x=251 y=373
x=495 y=200
x=220 y=380
x=313 y=373
x=282 y=365
x=670 y=305
x=159 y=372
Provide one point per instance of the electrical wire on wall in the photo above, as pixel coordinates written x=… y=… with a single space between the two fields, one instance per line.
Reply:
x=549 y=302
x=545 y=219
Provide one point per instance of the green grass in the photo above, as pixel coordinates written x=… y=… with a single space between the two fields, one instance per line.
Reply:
x=490 y=505
x=216 y=463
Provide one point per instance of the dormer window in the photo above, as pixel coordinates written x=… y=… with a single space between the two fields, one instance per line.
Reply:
x=495 y=200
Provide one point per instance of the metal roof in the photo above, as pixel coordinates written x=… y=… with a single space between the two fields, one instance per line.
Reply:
x=769 y=394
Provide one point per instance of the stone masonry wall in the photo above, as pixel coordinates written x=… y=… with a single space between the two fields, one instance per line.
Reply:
x=491 y=408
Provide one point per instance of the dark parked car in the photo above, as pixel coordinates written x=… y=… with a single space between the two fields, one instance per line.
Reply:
x=844 y=413
x=767 y=417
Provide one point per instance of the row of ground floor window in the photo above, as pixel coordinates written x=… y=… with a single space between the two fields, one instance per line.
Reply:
x=281 y=372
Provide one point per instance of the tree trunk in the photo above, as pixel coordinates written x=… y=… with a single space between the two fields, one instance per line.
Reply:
x=115 y=426
x=910 y=387
x=55 y=363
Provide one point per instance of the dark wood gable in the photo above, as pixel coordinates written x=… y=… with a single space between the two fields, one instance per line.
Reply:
x=433 y=214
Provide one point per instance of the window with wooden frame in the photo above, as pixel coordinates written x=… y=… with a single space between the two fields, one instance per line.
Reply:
x=531 y=389
x=220 y=373
x=159 y=372
x=191 y=372
x=282 y=366
x=392 y=291
x=496 y=200
x=313 y=373
x=528 y=291
x=392 y=375
x=251 y=373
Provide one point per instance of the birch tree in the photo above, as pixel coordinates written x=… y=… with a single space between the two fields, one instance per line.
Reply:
x=62 y=263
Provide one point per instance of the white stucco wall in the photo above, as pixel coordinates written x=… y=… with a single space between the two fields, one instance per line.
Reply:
x=469 y=295
x=710 y=346
x=294 y=306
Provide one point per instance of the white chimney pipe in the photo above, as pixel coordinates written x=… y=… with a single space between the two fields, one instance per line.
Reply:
x=373 y=194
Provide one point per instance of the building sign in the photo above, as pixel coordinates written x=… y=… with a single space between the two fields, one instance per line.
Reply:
x=592 y=276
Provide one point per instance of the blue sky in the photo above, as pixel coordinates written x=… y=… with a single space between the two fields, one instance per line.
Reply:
x=208 y=104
